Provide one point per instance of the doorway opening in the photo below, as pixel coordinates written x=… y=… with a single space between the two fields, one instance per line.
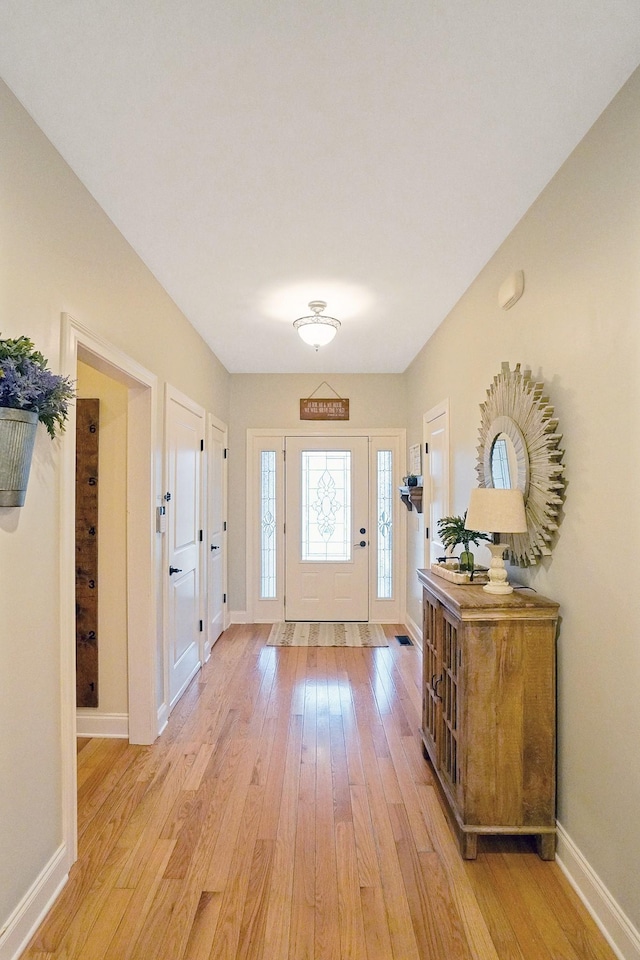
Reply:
x=436 y=439
x=81 y=345
x=217 y=611
x=101 y=554
x=325 y=535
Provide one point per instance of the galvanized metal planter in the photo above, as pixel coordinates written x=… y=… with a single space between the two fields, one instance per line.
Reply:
x=17 y=437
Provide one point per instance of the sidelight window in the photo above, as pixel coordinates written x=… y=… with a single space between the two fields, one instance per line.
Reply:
x=268 y=553
x=385 y=524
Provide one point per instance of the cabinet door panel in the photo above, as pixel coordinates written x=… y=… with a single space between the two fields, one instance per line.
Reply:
x=432 y=672
x=449 y=757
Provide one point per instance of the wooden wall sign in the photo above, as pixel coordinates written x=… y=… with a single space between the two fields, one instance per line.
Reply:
x=317 y=408
x=87 y=423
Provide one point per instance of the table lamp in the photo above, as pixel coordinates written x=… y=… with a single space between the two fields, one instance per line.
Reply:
x=497 y=511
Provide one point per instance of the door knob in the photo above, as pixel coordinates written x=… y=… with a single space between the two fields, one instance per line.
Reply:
x=175 y=570
x=213 y=547
x=362 y=530
x=362 y=543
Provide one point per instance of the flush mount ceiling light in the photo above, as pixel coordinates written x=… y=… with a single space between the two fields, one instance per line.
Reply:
x=317 y=330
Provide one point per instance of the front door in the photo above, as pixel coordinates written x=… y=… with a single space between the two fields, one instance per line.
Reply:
x=185 y=432
x=327 y=536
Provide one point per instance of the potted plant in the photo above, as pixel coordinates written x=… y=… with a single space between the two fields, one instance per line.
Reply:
x=452 y=531
x=29 y=392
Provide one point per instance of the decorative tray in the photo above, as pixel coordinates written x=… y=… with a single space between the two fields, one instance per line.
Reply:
x=457 y=576
x=448 y=573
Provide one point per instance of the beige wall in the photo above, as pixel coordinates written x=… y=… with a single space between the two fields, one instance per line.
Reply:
x=59 y=252
x=578 y=328
x=112 y=540
x=273 y=401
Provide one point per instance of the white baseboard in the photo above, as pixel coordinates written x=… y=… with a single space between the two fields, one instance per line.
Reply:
x=34 y=906
x=238 y=616
x=163 y=718
x=616 y=927
x=414 y=630
x=108 y=725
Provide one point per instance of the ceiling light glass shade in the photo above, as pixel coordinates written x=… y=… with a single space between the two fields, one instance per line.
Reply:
x=317 y=330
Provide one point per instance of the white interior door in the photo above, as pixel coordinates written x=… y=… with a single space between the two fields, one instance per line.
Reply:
x=216 y=565
x=327 y=536
x=185 y=432
x=437 y=438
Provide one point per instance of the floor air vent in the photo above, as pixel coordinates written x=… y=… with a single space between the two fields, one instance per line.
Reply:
x=404 y=640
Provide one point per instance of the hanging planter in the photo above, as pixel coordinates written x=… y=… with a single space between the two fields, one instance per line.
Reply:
x=17 y=437
x=29 y=392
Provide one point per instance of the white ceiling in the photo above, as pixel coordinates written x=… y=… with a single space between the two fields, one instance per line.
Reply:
x=258 y=154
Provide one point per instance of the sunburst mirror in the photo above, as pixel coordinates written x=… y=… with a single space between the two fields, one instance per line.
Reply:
x=519 y=447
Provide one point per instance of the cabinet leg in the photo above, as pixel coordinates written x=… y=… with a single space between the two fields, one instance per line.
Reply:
x=469 y=846
x=546 y=845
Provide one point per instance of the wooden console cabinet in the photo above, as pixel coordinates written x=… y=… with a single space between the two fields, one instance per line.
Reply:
x=488 y=718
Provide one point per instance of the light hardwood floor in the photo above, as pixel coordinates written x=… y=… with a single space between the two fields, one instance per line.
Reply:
x=287 y=812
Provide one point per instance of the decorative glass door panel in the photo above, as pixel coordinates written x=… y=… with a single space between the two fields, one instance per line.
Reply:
x=327 y=537
x=326 y=506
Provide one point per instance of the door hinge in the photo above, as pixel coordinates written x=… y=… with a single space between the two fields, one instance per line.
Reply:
x=224 y=525
x=226 y=453
x=201 y=445
x=224 y=598
x=426 y=533
x=426 y=448
x=201 y=626
x=201 y=538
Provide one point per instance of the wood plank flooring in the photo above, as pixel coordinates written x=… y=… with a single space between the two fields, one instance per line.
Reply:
x=287 y=813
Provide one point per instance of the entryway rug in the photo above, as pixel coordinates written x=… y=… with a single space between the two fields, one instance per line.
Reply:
x=327 y=635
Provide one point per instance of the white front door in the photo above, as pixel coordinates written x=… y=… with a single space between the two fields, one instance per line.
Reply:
x=185 y=432
x=327 y=536
x=216 y=530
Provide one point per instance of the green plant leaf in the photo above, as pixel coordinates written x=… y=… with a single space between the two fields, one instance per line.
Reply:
x=451 y=531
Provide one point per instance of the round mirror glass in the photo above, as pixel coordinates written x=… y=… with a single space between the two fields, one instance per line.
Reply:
x=506 y=459
x=504 y=463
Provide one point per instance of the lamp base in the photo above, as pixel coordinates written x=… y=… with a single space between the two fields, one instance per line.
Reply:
x=498 y=582
x=498 y=587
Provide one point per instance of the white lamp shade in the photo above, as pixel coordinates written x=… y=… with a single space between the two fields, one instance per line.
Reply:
x=496 y=511
x=317 y=332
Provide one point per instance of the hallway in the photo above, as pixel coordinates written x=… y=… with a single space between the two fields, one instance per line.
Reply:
x=287 y=812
